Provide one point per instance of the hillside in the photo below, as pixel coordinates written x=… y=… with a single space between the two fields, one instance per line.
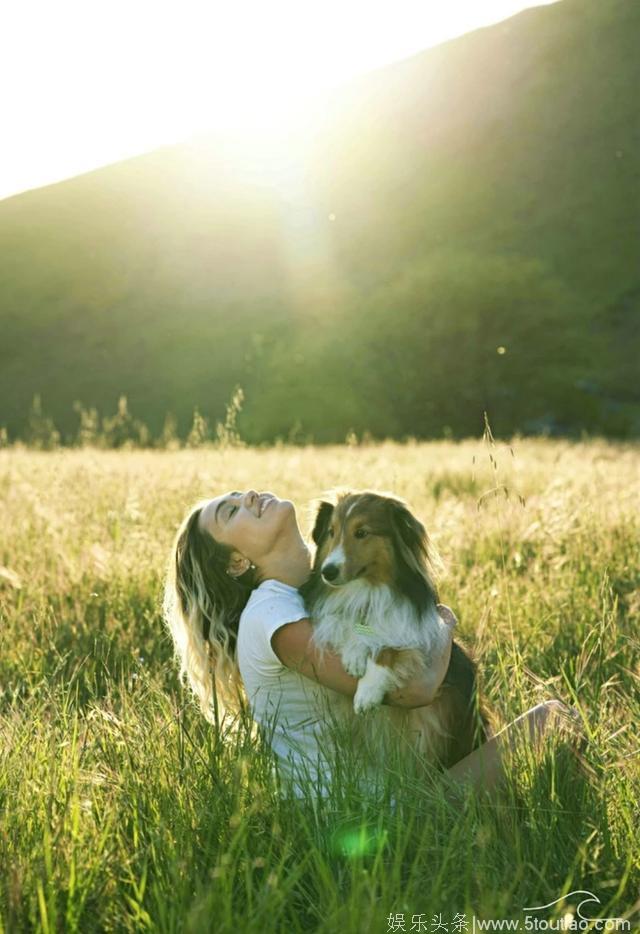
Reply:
x=482 y=194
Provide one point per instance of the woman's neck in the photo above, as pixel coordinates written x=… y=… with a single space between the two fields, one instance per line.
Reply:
x=289 y=565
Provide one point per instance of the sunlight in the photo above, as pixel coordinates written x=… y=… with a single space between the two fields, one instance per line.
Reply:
x=102 y=81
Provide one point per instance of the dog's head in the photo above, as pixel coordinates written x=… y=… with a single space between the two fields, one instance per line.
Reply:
x=373 y=537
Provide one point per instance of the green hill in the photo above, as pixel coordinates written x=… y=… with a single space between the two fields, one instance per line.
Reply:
x=456 y=232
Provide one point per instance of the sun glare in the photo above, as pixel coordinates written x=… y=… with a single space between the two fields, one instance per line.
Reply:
x=96 y=82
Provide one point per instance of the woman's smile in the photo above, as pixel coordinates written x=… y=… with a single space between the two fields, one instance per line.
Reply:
x=265 y=501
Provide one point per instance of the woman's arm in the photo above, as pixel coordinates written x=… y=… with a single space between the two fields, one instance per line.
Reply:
x=294 y=646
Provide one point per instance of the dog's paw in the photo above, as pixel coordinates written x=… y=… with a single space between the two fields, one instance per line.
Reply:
x=355 y=663
x=356 y=668
x=367 y=697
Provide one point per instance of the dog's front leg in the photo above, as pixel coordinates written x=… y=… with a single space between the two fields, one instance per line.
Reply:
x=377 y=680
x=354 y=657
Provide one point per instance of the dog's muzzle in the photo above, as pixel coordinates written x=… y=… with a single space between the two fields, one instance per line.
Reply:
x=330 y=572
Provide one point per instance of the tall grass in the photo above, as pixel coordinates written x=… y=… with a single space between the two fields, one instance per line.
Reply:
x=122 y=810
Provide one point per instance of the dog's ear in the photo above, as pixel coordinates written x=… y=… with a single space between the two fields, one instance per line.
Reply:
x=412 y=549
x=323 y=518
x=408 y=530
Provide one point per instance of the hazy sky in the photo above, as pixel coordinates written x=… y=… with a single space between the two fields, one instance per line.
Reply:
x=88 y=82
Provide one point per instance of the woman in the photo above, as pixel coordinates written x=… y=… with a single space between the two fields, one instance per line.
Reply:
x=237 y=620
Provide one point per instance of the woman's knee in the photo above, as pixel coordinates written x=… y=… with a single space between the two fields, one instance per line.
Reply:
x=549 y=709
x=539 y=718
x=561 y=711
x=551 y=714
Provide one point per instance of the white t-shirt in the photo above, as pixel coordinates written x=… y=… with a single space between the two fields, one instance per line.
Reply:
x=293 y=711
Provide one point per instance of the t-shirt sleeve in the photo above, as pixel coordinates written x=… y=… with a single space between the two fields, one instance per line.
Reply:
x=267 y=614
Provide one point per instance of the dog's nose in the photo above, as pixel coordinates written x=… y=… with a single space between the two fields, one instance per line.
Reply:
x=330 y=572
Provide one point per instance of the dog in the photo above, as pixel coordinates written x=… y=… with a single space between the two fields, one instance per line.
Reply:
x=373 y=600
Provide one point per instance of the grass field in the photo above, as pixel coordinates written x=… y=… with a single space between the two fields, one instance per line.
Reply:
x=121 y=810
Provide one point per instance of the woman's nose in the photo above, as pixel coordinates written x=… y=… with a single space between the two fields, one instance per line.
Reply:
x=250 y=497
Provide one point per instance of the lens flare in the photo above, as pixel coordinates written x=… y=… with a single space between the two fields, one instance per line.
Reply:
x=354 y=840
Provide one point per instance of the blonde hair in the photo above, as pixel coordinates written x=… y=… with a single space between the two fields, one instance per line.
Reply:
x=202 y=606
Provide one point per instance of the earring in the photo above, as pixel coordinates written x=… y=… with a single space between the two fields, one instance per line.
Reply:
x=251 y=567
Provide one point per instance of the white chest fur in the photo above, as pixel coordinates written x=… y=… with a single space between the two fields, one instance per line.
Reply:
x=359 y=616
x=357 y=620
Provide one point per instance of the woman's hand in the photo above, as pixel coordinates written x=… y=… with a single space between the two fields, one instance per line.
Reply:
x=421 y=691
x=447 y=616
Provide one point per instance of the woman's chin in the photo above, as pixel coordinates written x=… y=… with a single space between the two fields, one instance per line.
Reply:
x=287 y=512
x=283 y=506
x=278 y=511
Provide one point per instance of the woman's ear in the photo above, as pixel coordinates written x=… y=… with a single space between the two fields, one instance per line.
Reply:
x=238 y=564
x=323 y=518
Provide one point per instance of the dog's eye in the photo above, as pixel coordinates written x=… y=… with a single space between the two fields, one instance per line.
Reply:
x=360 y=533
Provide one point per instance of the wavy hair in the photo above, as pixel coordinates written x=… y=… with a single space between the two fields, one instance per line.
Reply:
x=202 y=606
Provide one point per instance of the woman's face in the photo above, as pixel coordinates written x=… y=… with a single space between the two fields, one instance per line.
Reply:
x=250 y=523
